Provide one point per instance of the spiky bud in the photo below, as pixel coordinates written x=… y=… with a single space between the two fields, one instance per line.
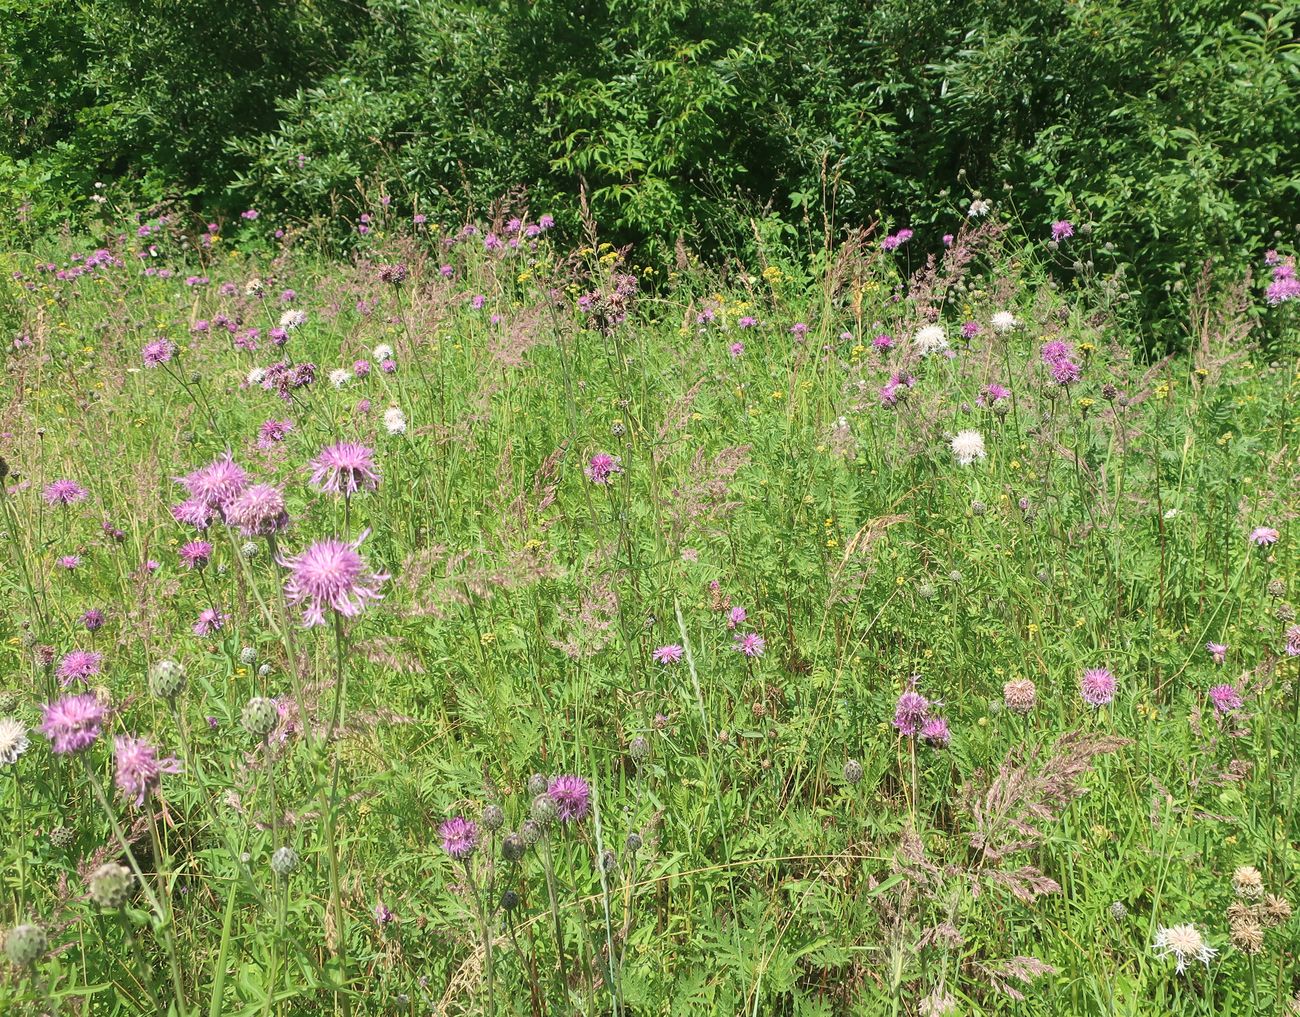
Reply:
x=248 y=656
x=264 y=671
x=1118 y=911
x=639 y=748
x=249 y=549
x=513 y=847
x=530 y=832
x=167 y=679
x=1276 y=588
x=536 y=784
x=493 y=818
x=1284 y=613
x=852 y=771
x=633 y=843
x=25 y=945
x=543 y=810
x=509 y=901
x=259 y=716
x=62 y=837
x=283 y=861
x=978 y=508
x=608 y=861
x=111 y=885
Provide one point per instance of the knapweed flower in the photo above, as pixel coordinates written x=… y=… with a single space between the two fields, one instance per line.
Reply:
x=1261 y=536
x=602 y=467
x=196 y=554
x=935 y=731
x=968 y=446
x=910 y=712
x=1062 y=229
x=669 y=654
x=751 y=644
x=345 y=468
x=73 y=723
x=340 y=376
x=13 y=740
x=1003 y=322
x=158 y=352
x=79 y=666
x=64 y=492
x=736 y=617
x=737 y=350
x=210 y=620
x=1247 y=881
x=930 y=339
x=993 y=394
x=1225 y=698
x=1097 y=686
x=293 y=318
x=259 y=511
x=896 y=240
x=979 y=207
x=70 y=562
x=1217 y=651
x=571 y=795
x=139 y=769
x=883 y=342
x=193 y=512
x=394 y=420
x=272 y=432
x=1184 y=943
x=331 y=574
x=93 y=619
x=217 y=483
x=1293 y=641
x=459 y=836
x=1019 y=695
x=383 y=915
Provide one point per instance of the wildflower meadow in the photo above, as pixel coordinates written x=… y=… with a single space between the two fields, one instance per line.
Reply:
x=486 y=621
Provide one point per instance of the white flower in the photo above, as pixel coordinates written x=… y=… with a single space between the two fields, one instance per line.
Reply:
x=979 y=207
x=930 y=339
x=382 y=352
x=1170 y=513
x=253 y=287
x=256 y=376
x=1184 y=942
x=340 y=376
x=395 y=420
x=1004 y=321
x=13 y=740
x=968 y=446
x=292 y=318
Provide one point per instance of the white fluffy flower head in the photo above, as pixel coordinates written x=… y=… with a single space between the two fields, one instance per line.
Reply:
x=13 y=740
x=968 y=446
x=979 y=207
x=382 y=352
x=292 y=318
x=395 y=420
x=1004 y=322
x=1184 y=943
x=340 y=376
x=930 y=339
x=255 y=376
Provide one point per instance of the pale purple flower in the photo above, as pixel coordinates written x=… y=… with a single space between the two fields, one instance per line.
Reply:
x=64 y=492
x=79 y=666
x=602 y=466
x=883 y=342
x=737 y=350
x=1218 y=651
x=158 y=352
x=992 y=394
x=1225 y=698
x=751 y=644
x=331 y=574
x=73 y=723
x=195 y=555
x=139 y=769
x=272 y=432
x=93 y=619
x=1263 y=536
x=70 y=562
x=572 y=797
x=193 y=512
x=669 y=654
x=736 y=616
x=1097 y=686
x=216 y=483
x=935 y=731
x=382 y=915
x=210 y=620
x=1293 y=641
x=896 y=240
x=259 y=511
x=459 y=836
x=1061 y=229
x=910 y=712
x=345 y=468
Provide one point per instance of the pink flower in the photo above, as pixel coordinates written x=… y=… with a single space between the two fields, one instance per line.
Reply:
x=669 y=654
x=935 y=731
x=64 y=492
x=910 y=712
x=572 y=797
x=751 y=644
x=736 y=616
x=345 y=468
x=331 y=574
x=216 y=483
x=1217 y=651
x=196 y=554
x=1263 y=536
x=1225 y=698
x=139 y=769
x=1061 y=229
x=259 y=511
x=737 y=350
x=602 y=467
x=158 y=352
x=1293 y=641
x=459 y=836
x=210 y=620
x=1097 y=686
x=79 y=666
x=73 y=723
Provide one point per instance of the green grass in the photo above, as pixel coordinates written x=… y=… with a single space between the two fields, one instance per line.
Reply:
x=1106 y=527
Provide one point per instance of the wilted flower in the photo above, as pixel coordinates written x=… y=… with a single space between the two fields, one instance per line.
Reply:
x=1003 y=322
x=210 y=620
x=139 y=769
x=394 y=420
x=1218 y=651
x=1247 y=881
x=930 y=339
x=1019 y=695
x=1184 y=943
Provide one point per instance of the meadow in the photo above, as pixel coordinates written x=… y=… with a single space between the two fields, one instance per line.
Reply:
x=486 y=622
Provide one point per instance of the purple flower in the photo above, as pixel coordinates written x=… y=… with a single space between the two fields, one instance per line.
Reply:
x=992 y=394
x=64 y=492
x=897 y=240
x=93 y=619
x=1263 y=536
x=73 y=723
x=799 y=328
x=1293 y=641
x=883 y=342
x=193 y=512
x=259 y=511
x=459 y=836
x=70 y=561
x=1097 y=686
x=195 y=555
x=382 y=915
x=747 y=321
x=1225 y=698
x=1217 y=651
x=910 y=712
x=250 y=215
x=79 y=666
x=158 y=352
x=602 y=466
x=737 y=350
x=345 y=468
x=572 y=797
x=210 y=620
x=1061 y=229
x=736 y=616
x=139 y=769
x=970 y=329
x=935 y=731
x=216 y=483
x=669 y=654
x=751 y=644
x=272 y=432
x=331 y=574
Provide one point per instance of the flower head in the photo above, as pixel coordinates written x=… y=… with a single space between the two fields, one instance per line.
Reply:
x=139 y=769
x=1217 y=651
x=79 y=666
x=64 y=492
x=930 y=339
x=459 y=837
x=935 y=731
x=1062 y=229
x=968 y=446
x=1262 y=536
x=1019 y=695
x=1225 y=698
x=210 y=620
x=73 y=723
x=910 y=712
x=751 y=644
x=602 y=467
x=394 y=420
x=217 y=483
x=669 y=654
x=196 y=554
x=1097 y=686
x=259 y=511
x=13 y=740
x=331 y=574
x=193 y=512
x=1184 y=943
x=345 y=468
x=1003 y=322
x=572 y=797
x=158 y=352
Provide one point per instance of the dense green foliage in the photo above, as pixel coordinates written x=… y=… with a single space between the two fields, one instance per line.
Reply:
x=1176 y=124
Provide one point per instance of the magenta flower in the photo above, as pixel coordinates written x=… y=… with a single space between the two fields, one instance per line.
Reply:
x=459 y=836
x=193 y=512
x=751 y=644
x=1062 y=229
x=382 y=915
x=139 y=769
x=345 y=468
x=1262 y=536
x=210 y=620
x=195 y=555
x=736 y=616
x=883 y=342
x=73 y=723
x=935 y=731
x=736 y=350
x=896 y=240
x=93 y=619
x=1293 y=641
x=910 y=712
x=572 y=797
x=259 y=511
x=70 y=561
x=79 y=666
x=602 y=467
x=1225 y=698
x=217 y=483
x=992 y=394
x=158 y=352
x=669 y=654
x=272 y=432
x=64 y=492
x=747 y=321
x=331 y=574
x=1218 y=651
x=1097 y=686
